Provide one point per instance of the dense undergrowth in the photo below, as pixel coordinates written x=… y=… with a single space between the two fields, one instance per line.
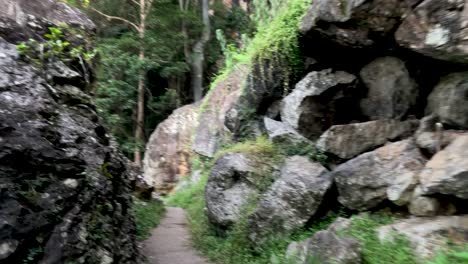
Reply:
x=147 y=216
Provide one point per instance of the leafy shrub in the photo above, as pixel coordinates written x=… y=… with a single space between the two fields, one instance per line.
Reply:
x=457 y=255
x=304 y=149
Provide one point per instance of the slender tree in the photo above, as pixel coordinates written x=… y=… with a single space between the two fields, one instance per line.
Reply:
x=140 y=26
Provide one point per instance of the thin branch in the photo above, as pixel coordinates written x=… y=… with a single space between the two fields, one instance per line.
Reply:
x=108 y=17
x=135 y=2
x=149 y=5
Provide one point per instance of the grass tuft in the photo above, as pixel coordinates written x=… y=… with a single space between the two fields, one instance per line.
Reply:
x=148 y=214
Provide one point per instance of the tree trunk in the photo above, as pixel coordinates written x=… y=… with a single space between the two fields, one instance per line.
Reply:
x=140 y=119
x=199 y=54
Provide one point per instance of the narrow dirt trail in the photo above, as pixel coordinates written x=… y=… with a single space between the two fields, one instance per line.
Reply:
x=170 y=241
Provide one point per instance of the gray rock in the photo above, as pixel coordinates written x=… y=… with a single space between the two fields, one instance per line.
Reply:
x=424 y=206
x=292 y=199
x=281 y=133
x=432 y=137
x=391 y=90
x=168 y=152
x=327 y=247
x=234 y=181
x=355 y=23
x=310 y=106
x=448 y=100
x=437 y=28
x=64 y=185
x=429 y=235
x=214 y=111
x=348 y=141
x=447 y=171
x=389 y=172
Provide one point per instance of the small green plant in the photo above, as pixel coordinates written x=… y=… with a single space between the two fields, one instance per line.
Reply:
x=456 y=255
x=364 y=229
x=147 y=216
x=259 y=147
x=54 y=48
x=33 y=253
x=304 y=149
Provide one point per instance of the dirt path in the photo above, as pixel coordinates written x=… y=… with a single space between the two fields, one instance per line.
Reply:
x=170 y=241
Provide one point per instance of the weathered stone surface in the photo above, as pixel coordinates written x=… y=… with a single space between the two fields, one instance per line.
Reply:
x=281 y=133
x=389 y=172
x=348 y=141
x=168 y=153
x=313 y=106
x=356 y=23
x=234 y=179
x=424 y=206
x=24 y=19
x=429 y=235
x=432 y=137
x=64 y=186
x=292 y=199
x=264 y=83
x=447 y=171
x=437 y=28
x=212 y=130
x=327 y=247
x=449 y=102
x=391 y=90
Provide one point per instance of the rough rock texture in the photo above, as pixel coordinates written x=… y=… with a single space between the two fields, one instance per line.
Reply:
x=281 y=133
x=263 y=84
x=432 y=137
x=314 y=105
x=64 y=186
x=389 y=172
x=437 y=28
x=327 y=247
x=447 y=171
x=355 y=23
x=234 y=180
x=428 y=235
x=24 y=19
x=348 y=141
x=212 y=130
x=449 y=102
x=168 y=153
x=292 y=199
x=391 y=91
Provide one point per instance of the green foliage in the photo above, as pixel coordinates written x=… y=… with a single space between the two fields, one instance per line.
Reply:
x=260 y=147
x=397 y=251
x=147 y=216
x=304 y=149
x=33 y=253
x=455 y=255
x=54 y=48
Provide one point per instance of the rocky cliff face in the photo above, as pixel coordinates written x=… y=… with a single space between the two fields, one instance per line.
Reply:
x=64 y=186
x=385 y=99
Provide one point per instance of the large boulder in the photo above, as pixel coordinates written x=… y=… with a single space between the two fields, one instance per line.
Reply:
x=168 y=153
x=292 y=200
x=348 y=141
x=355 y=23
x=235 y=180
x=316 y=102
x=391 y=91
x=437 y=28
x=281 y=133
x=64 y=189
x=447 y=171
x=327 y=247
x=212 y=131
x=432 y=137
x=429 y=235
x=388 y=173
x=449 y=102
